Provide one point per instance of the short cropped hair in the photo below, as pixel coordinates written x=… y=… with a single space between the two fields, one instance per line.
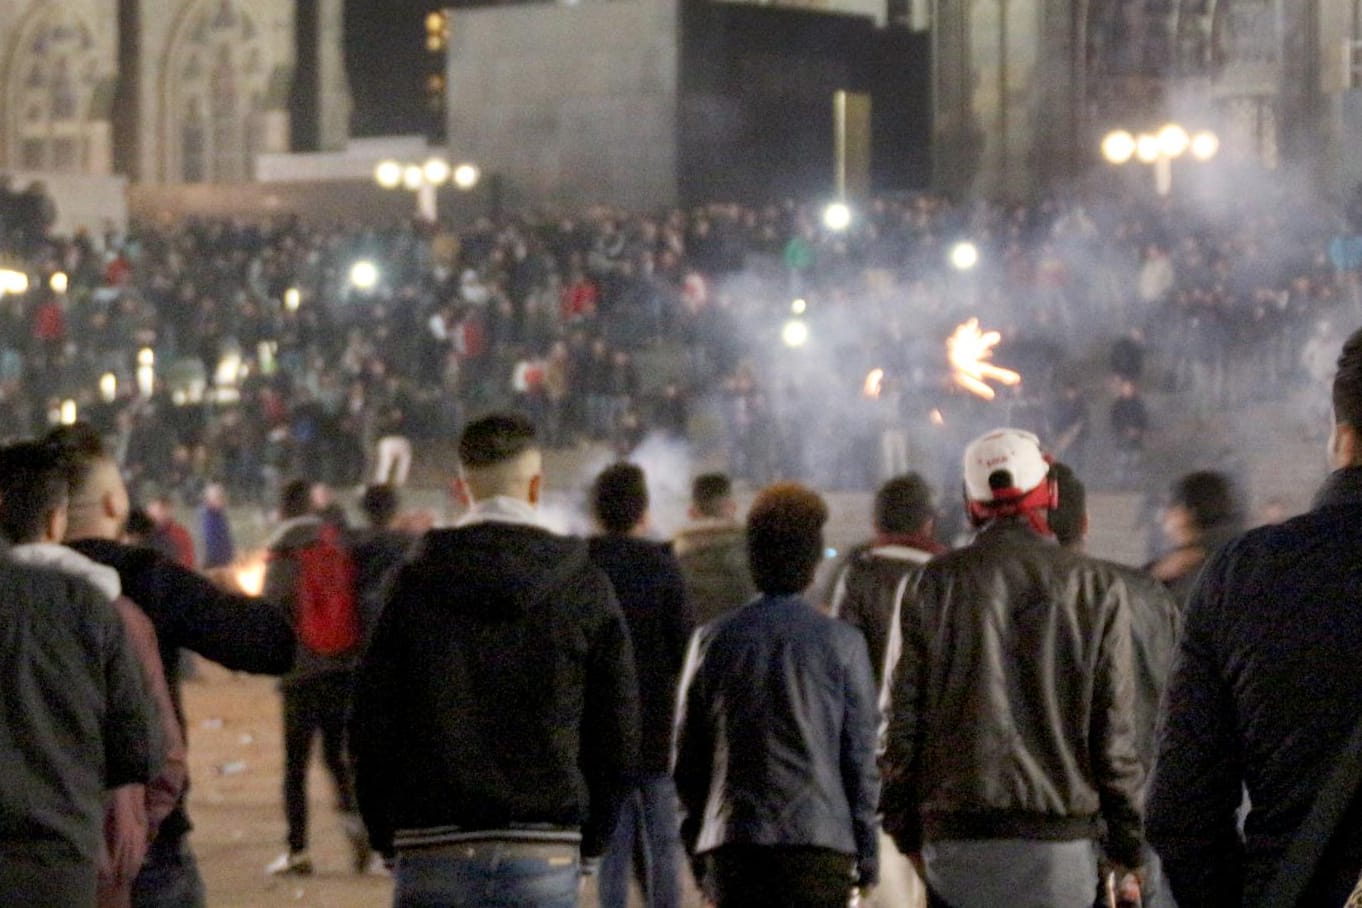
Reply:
x=1347 y=392
x=903 y=504
x=379 y=504
x=32 y=486
x=709 y=492
x=81 y=449
x=1066 y=520
x=495 y=439
x=295 y=499
x=785 y=537
x=619 y=497
x=1209 y=498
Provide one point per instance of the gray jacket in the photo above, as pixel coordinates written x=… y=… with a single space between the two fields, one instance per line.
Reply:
x=713 y=557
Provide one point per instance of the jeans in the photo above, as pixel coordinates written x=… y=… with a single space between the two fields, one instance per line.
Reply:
x=488 y=875
x=647 y=840
x=984 y=873
x=169 y=878
x=311 y=705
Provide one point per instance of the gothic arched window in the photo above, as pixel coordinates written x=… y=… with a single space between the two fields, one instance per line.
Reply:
x=52 y=79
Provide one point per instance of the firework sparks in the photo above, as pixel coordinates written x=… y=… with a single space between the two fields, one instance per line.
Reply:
x=874 y=384
x=969 y=350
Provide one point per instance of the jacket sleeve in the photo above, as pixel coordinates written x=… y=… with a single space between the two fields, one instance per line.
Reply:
x=373 y=721
x=860 y=775
x=1198 y=776
x=237 y=632
x=693 y=751
x=610 y=727
x=132 y=738
x=1117 y=771
x=900 y=798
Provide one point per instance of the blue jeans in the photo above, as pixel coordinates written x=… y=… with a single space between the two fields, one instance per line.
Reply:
x=488 y=875
x=169 y=878
x=648 y=840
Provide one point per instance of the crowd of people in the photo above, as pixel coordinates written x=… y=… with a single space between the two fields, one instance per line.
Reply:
x=234 y=351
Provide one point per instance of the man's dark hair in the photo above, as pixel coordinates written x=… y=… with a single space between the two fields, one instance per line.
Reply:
x=295 y=499
x=1348 y=383
x=81 y=448
x=619 y=497
x=140 y=527
x=495 y=439
x=379 y=504
x=1209 y=497
x=32 y=486
x=1066 y=520
x=709 y=492
x=785 y=537
x=903 y=504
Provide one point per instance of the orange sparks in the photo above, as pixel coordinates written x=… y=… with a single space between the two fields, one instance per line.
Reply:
x=874 y=383
x=969 y=350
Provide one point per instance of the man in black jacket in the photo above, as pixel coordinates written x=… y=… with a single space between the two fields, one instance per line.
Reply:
x=652 y=594
x=775 y=732
x=1011 y=743
x=496 y=718
x=240 y=633
x=1265 y=694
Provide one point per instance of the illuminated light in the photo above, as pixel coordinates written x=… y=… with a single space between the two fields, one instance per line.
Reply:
x=108 y=387
x=837 y=217
x=13 y=281
x=412 y=177
x=388 y=174
x=435 y=171
x=1147 y=148
x=293 y=298
x=59 y=282
x=435 y=23
x=795 y=333
x=964 y=256
x=969 y=350
x=364 y=275
x=146 y=357
x=146 y=380
x=874 y=384
x=1205 y=145
x=936 y=417
x=250 y=575
x=229 y=369
x=68 y=412
x=1173 y=141
x=435 y=43
x=466 y=176
x=1118 y=146
x=798 y=307
x=179 y=397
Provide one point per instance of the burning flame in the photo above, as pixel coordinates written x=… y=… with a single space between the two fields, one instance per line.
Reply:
x=937 y=418
x=250 y=574
x=969 y=350
x=874 y=384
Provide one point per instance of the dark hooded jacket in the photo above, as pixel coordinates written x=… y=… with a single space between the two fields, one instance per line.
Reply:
x=498 y=697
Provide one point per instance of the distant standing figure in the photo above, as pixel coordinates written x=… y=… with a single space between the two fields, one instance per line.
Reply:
x=712 y=550
x=214 y=528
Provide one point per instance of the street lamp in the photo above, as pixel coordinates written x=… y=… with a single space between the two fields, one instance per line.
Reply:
x=424 y=179
x=964 y=256
x=1159 y=150
x=837 y=217
x=795 y=333
x=364 y=275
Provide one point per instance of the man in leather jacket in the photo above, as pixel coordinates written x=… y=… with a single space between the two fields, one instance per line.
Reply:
x=1011 y=743
x=775 y=743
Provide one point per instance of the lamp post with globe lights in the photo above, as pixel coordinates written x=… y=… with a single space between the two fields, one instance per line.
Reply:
x=1159 y=150
x=425 y=179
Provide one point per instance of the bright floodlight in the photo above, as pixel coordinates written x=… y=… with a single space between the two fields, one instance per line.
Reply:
x=1147 y=148
x=435 y=171
x=1173 y=141
x=1205 y=145
x=388 y=174
x=59 y=282
x=13 y=281
x=837 y=217
x=108 y=387
x=364 y=275
x=964 y=255
x=68 y=412
x=1118 y=147
x=466 y=176
x=146 y=357
x=795 y=333
x=412 y=177
x=799 y=306
x=293 y=298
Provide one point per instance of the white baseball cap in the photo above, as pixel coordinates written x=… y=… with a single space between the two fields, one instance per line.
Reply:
x=1004 y=465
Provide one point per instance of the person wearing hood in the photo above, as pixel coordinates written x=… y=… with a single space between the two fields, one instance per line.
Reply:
x=496 y=718
x=85 y=749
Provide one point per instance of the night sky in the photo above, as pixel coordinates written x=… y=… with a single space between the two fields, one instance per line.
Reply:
x=388 y=65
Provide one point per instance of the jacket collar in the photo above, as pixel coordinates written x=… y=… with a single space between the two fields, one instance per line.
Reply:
x=1014 y=528
x=502 y=509
x=1343 y=487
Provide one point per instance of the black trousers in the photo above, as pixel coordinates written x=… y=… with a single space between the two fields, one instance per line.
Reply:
x=311 y=705
x=769 y=876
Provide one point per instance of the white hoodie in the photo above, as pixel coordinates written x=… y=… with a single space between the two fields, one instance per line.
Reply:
x=69 y=561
